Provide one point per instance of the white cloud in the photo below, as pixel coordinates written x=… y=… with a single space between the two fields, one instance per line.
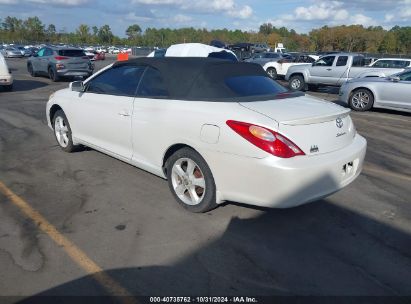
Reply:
x=48 y=2
x=228 y=7
x=179 y=18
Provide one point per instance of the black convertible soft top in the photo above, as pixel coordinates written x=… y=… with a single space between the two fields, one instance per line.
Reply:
x=197 y=78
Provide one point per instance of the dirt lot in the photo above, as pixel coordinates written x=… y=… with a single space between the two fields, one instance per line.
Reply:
x=123 y=224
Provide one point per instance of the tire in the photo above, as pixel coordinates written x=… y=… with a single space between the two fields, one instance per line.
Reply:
x=194 y=198
x=31 y=70
x=62 y=132
x=8 y=88
x=53 y=75
x=297 y=83
x=361 y=100
x=272 y=72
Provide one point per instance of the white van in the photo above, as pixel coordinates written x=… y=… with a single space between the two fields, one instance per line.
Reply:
x=6 y=80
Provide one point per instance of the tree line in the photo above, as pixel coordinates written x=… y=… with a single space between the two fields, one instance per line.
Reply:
x=352 y=38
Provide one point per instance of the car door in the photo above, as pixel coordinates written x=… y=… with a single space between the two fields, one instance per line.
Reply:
x=102 y=114
x=45 y=59
x=151 y=115
x=396 y=93
x=36 y=60
x=321 y=70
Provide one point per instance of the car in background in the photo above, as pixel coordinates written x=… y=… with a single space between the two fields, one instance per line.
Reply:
x=11 y=52
x=263 y=58
x=25 y=52
x=393 y=92
x=6 y=79
x=241 y=46
x=99 y=55
x=217 y=130
x=194 y=50
x=391 y=63
x=56 y=62
x=260 y=47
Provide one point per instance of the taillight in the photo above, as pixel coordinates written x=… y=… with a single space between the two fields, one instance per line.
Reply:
x=266 y=139
x=60 y=57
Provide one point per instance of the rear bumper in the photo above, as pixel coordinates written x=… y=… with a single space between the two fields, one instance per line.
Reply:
x=6 y=80
x=283 y=183
x=67 y=72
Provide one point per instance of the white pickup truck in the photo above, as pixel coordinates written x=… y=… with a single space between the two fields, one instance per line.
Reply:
x=279 y=68
x=333 y=70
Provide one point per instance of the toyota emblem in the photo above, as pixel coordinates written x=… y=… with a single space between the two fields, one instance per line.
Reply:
x=339 y=122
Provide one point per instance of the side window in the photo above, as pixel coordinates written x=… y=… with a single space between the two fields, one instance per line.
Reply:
x=122 y=80
x=152 y=84
x=48 y=52
x=40 y=53
x=405 y=76
x=358 y=61
x=342 y=61
x=325 y=61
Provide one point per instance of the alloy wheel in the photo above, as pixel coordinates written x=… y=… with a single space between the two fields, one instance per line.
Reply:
x=188 y=181
x=62 y=132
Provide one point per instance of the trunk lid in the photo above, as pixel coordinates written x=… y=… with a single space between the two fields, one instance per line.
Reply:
x=76 y=59
x=314 y=125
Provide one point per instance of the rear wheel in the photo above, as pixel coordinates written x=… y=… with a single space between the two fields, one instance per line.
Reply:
x=53 y=75
x=297 y=83
x=272 y=72
x=361 y=100
x=191 y=181
x=31 y=70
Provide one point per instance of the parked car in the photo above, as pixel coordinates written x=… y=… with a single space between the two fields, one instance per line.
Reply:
x=10 y=52
x=333 y=70
x=260 y=47
x=216 y=130
x=263 y=58
x=58 y=62
x=25 y=52
x=6 y=79
x=99 y=55
x=194 y=50
x=391 y=63
x=279 y=68
x=241 y=46
x=393 y=92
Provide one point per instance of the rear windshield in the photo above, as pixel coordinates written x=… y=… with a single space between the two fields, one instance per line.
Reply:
x=72 y=53
x=246 y=86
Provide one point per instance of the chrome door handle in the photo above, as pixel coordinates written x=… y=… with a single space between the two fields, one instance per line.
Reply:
x=124 y=114
x=329 y=69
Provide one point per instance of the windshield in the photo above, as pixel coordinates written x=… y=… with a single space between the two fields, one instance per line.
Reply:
x=246 y=86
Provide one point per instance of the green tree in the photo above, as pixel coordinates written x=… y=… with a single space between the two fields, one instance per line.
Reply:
x=133 y=31
x=105 y=35
x=83 y=33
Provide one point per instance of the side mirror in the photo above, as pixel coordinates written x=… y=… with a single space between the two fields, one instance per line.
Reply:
x=395 y=78
x=77 y=86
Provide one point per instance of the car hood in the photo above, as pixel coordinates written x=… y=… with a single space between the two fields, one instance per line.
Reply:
x=297 y=110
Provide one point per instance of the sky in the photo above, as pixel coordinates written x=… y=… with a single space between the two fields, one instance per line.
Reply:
x=301 y=16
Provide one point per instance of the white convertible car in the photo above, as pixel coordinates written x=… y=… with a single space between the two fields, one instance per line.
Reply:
x=217 y=130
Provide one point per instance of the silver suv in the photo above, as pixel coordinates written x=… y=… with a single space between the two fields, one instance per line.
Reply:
x=59 y=62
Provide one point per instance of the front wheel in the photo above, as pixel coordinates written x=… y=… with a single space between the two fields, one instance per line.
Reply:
x=191 y=181
x=62 y=132
x=297 y=83
x=361 y=100
x=272 y=72
x=8 y=88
